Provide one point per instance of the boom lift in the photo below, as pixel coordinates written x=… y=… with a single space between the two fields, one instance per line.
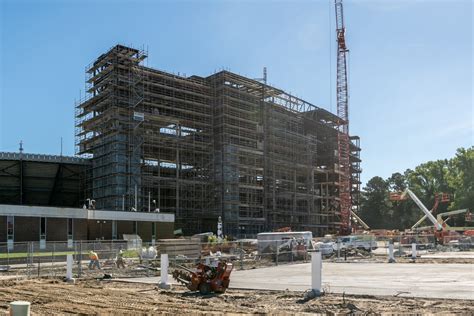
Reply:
x=439 y=198
x=441 y=228
x=439 y=232
x=359 y=220
x=468 y=217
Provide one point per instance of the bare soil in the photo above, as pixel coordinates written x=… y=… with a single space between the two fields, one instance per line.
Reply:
x=89 y=297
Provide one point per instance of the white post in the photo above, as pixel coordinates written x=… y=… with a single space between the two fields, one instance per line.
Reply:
x=69 y=267
x=316 y=268
x=10 y=244
x=20 y=308
x=164 y=272
x=413 y=251
x=391 y=258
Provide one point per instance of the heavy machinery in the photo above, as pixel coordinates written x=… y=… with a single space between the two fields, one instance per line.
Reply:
x=467 y=217
x=441 y=229
x=292 y=248
x=358 y=221
x=282 y=230
x=342 y=99
x=205 y=278
x=439 y=198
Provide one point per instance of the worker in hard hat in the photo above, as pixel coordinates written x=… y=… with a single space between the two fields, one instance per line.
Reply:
x=94 y=260
x=119 y=262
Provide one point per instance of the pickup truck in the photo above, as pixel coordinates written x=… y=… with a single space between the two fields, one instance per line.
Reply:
x=359 y=242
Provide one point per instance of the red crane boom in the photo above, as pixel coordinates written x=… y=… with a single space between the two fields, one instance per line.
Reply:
x=342 y=97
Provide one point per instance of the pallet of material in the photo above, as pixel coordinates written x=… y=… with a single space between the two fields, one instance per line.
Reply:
x=190 y=248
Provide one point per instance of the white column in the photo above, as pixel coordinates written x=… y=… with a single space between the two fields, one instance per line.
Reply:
x=391 y=258
x=413 y=251
x=164 y=272
x=69 y=267
x=20 y=308
x=316 y=268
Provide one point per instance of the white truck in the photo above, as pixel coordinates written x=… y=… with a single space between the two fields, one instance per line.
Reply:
x=366 y=242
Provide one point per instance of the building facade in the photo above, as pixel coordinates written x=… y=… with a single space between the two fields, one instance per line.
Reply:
x=42 y=199
x=24 y=223
x=224 y=145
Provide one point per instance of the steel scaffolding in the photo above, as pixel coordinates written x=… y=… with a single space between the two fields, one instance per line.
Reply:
x=224 y=145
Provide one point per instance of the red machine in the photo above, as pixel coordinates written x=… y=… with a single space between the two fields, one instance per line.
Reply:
x=205 y=278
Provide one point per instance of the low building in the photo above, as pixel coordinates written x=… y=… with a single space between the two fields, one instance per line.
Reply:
x=22 y=223
x=42 y=199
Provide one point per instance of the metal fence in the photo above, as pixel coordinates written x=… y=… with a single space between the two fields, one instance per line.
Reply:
x=34 y=259
x=49 y=258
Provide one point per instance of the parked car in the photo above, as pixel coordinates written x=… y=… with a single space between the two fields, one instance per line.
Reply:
x=327 y=247
x=366 y=242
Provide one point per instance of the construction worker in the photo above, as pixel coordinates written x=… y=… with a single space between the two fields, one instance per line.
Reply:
x=94 y=260
x=119 y=262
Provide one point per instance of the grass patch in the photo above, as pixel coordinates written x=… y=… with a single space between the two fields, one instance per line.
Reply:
x=130 y=254
x=19 y=255
x=15 y=255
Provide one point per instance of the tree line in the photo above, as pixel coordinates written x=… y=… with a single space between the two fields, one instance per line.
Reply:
x=454 y=176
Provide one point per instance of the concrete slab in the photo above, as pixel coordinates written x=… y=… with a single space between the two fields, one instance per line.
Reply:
x=454 y=281
x=450 y=255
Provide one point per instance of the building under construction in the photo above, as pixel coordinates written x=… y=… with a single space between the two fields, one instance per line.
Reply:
x=224 y=145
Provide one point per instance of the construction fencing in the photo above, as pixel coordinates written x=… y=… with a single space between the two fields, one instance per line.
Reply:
x=48 y=259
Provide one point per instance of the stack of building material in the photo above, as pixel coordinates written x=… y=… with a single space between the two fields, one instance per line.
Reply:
x=189 y=248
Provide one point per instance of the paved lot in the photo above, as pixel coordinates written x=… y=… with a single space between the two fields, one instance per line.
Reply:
x=412 y=280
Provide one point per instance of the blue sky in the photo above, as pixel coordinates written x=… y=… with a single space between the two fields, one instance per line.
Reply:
x=411 y=64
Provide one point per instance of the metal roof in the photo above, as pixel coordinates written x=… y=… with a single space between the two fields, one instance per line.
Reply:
x=33 y=179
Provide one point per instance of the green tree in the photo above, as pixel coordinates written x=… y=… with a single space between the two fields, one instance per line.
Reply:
x=454 y=176
x=461 y=178
x=401 y=213
x=375 y=206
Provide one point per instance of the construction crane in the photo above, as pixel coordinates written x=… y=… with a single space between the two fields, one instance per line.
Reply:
x=342 y=98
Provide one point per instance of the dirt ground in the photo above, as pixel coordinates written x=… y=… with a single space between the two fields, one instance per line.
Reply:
x=88 y=297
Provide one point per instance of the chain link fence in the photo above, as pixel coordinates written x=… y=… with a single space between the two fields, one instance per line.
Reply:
x=48 y=259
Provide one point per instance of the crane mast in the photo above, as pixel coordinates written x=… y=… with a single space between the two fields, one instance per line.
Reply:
x=342 y=98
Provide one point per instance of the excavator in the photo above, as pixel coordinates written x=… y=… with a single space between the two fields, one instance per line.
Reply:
x=441 y=228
